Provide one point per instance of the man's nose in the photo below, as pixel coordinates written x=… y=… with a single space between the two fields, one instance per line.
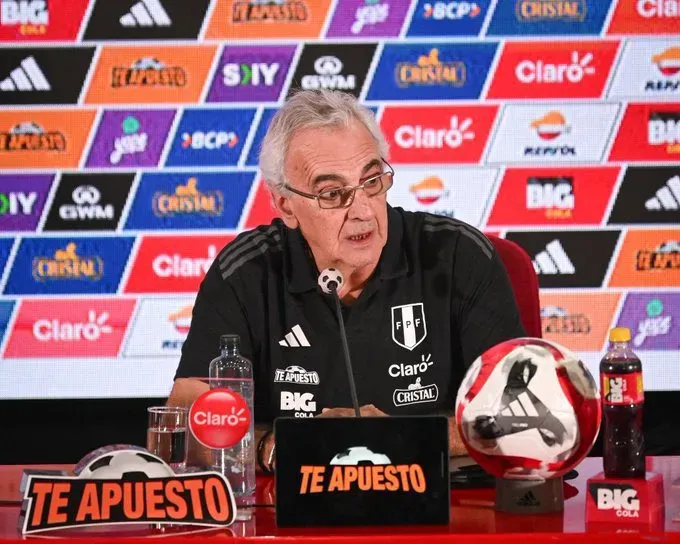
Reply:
x=361 y=205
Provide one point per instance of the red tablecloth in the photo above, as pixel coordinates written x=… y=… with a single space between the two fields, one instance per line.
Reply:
x=472 y=513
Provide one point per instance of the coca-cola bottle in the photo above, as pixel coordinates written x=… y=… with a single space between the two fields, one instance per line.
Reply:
x=622 y=401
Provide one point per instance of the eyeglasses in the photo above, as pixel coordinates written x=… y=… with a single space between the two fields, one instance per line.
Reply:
x=342 y=197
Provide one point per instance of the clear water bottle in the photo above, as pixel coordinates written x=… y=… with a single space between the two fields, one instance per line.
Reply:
x=233 y=371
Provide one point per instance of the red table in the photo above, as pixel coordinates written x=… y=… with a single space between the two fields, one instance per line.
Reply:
x=472 y=513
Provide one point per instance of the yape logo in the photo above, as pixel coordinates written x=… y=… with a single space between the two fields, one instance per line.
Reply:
x=648 y=194
x=169 y=318
x=173 y=264
x=654 y=320
x=448 y=18
x=648 y=68
x=68 y=265
x=41 y=20
x=548 y=17
x=268 y=20
x=563 y=70
x=69 y=327
x=43 y=139
x=145 y=20
x=251 y=74
x=369 y=18
x=22 y=198
x=460 y=193
x=645 y=17
x=88 y=202
x=210 y=137
x=648 y=258
x=438 y=134
x=424 y=71
x=578 y=321
x=648 y=132
x=143 y=75
x=208 y=200
x=115 y=488
x=129 y=138
x=360 y=469
x=553 y=196
x=560 y=133
x=35 y=75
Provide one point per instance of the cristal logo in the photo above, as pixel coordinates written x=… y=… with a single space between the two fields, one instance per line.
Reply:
x=177 y=266
x=452 y=11
x=550 y=10
x=660 y=9
x=187 y=200
x=53 y=330
x=255 y=74
x=430 y=70
x=418 y=137
x=624 y=501
x=529 y=71
x=86 y=205
x=219 y=418
x=550 y=126
x=429 y=190
x=668 y=62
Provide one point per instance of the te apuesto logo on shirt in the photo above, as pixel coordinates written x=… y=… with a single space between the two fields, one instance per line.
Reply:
x=553 y=196
x=563 y=70
x=43 y=139
x=41 y=20
x=437 y=134
x=558 y=133
x=150 y=75
x=189 y=201
x=648 y=68
x=645 y=17
x=22 y=198
x=448 y=18
x=578 y=321
x=654 y=320
x=129 y=138
x=173 y=264
x=69 y=327
x=648 y=132
x=68 y=265
x=648 y=258
x=422 y=71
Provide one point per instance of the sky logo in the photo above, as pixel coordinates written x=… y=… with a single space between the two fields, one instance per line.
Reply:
x=210 y=137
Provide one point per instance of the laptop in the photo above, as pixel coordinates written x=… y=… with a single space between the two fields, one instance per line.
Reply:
x=362 y=471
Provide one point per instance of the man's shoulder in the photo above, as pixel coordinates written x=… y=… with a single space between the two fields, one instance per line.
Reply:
x=252 y=250
x=438 y=231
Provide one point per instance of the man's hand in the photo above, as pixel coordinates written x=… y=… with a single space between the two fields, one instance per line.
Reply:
x=367 y=410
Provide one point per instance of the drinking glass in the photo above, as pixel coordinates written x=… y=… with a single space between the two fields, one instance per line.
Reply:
x=166 y=434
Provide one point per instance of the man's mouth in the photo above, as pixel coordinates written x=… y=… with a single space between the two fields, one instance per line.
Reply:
x=360 y=237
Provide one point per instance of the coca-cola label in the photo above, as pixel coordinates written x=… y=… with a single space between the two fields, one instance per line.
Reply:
x=622 y=389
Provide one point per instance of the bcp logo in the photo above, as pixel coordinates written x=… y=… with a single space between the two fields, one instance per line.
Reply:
x=41 y=20
x=646 y=17
x=444 y=18
x=563 y=70
x=648 y=132
x=69 y=328
x=438 y=134
x=173 y=264
x=553 y=196
x=219 y=418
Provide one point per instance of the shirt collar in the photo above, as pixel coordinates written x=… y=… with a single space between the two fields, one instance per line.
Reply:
x=303 y=272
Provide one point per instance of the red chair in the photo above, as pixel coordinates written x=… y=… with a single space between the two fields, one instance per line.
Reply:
x=524 y=283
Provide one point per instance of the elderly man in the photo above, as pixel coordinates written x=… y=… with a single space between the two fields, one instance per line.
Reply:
x=423 y=295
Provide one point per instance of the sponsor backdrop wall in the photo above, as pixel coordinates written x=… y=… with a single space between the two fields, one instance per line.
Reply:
x=129 y=132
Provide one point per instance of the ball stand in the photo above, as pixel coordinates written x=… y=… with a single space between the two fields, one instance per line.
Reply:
x=529 y=496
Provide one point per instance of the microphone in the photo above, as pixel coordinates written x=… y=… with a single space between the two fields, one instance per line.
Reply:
x=330 y=281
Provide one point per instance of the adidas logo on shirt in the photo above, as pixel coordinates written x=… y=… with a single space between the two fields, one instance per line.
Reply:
x=667 y=197
x=146 y=13
x=26 y=77
x=295 y=338
x=553 y=260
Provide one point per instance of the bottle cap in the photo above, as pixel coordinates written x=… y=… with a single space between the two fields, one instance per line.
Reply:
x=229 y=340
x=619 y=334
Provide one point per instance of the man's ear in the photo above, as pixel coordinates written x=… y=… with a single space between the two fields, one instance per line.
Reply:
x=282 y=205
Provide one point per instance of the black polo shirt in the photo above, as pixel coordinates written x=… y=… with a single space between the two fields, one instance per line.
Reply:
x=439 y=298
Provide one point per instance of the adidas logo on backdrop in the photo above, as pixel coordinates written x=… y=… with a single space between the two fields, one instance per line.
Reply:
x=146 y=13
x=553 y=260
x=26 y=77
x=667 y=197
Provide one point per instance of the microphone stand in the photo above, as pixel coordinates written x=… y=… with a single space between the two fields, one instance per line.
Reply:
x=345 y=348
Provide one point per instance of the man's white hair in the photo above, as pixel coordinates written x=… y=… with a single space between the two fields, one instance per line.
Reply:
x=310 y=110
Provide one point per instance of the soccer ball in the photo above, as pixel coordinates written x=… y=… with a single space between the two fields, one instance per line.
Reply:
x=125 y=463
x=528 y=408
